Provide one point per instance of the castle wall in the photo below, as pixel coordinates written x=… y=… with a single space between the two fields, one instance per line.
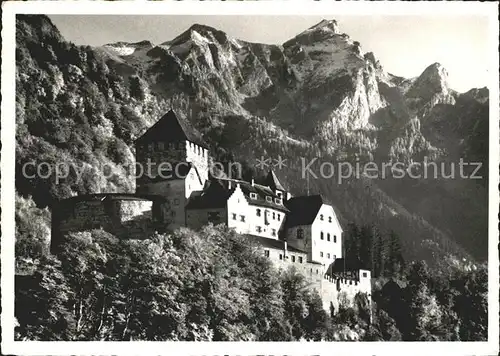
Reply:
x=198 y=218
x=126 y=218
x=174 y=192
x=303 y=243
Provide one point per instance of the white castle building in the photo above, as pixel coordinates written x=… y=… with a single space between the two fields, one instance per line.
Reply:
x=177 y=190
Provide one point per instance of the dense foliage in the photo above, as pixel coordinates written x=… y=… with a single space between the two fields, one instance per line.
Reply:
x=215 y=285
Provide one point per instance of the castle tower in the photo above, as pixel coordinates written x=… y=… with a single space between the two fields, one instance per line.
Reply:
x=172 y=161
x=166 y=147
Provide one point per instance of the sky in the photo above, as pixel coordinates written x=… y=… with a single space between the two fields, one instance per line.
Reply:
x=404 y=45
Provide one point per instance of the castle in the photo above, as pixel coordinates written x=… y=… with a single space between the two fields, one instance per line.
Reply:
x=178 y=190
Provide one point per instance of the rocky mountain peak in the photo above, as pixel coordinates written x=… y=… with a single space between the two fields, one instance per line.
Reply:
x=435 y=77
x=432 y=83
x=200 y=33
x=325 y=26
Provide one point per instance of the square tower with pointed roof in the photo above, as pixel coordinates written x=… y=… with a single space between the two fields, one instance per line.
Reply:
x=172 y=161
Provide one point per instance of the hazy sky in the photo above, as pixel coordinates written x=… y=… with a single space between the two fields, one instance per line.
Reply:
x=405 y=45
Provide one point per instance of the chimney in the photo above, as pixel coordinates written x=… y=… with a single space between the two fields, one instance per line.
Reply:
x=253 y=182
x=229 y=184
x=285 y=248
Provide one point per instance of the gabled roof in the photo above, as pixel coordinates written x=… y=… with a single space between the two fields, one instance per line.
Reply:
x=172 y=128
x=273 y=182
x=303 y=209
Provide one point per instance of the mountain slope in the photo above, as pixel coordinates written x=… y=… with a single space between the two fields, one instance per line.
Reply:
x=316 y=95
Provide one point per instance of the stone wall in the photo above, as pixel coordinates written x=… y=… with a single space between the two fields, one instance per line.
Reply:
x=197 y=218
x=127 y=218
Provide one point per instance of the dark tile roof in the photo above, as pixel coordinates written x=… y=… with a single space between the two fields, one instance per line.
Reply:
x=262 y=192
x=172 y=128
x=273 y=182
x=303 y=209
x=272 y=243
x=342 y=264
x=214 y=196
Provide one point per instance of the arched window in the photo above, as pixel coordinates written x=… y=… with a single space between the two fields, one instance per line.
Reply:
x=258 y=212
x=300 y=233
x=322 y=235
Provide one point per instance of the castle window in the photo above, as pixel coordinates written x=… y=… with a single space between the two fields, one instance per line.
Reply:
x=269 y=199
x=300 y=259
x=311 y=271
x=258 y=212
x=273 y=232
x=334 y=238
x=365 y=274
x=329 y=219
x=321 y=217
x=328 y=237
x=328 y=255
x=279 y=217
x=266 y=253
x=322 y=235
x=279 y=194
x=274 y=215
x=234 y=216
x=176 y=201
x=258 y=228
x=242 y=218
x=300 y=233
x=321 y=254
x=293 y=258
x=253 y=196
x=281 y=256
x=278 y=201
x=173 y=213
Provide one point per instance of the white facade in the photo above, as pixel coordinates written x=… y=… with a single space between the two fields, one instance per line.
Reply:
x=248 y=218
x=326 y=236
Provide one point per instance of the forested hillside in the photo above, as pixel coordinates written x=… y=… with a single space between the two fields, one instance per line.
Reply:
x=215 y=285
x=84 y=106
